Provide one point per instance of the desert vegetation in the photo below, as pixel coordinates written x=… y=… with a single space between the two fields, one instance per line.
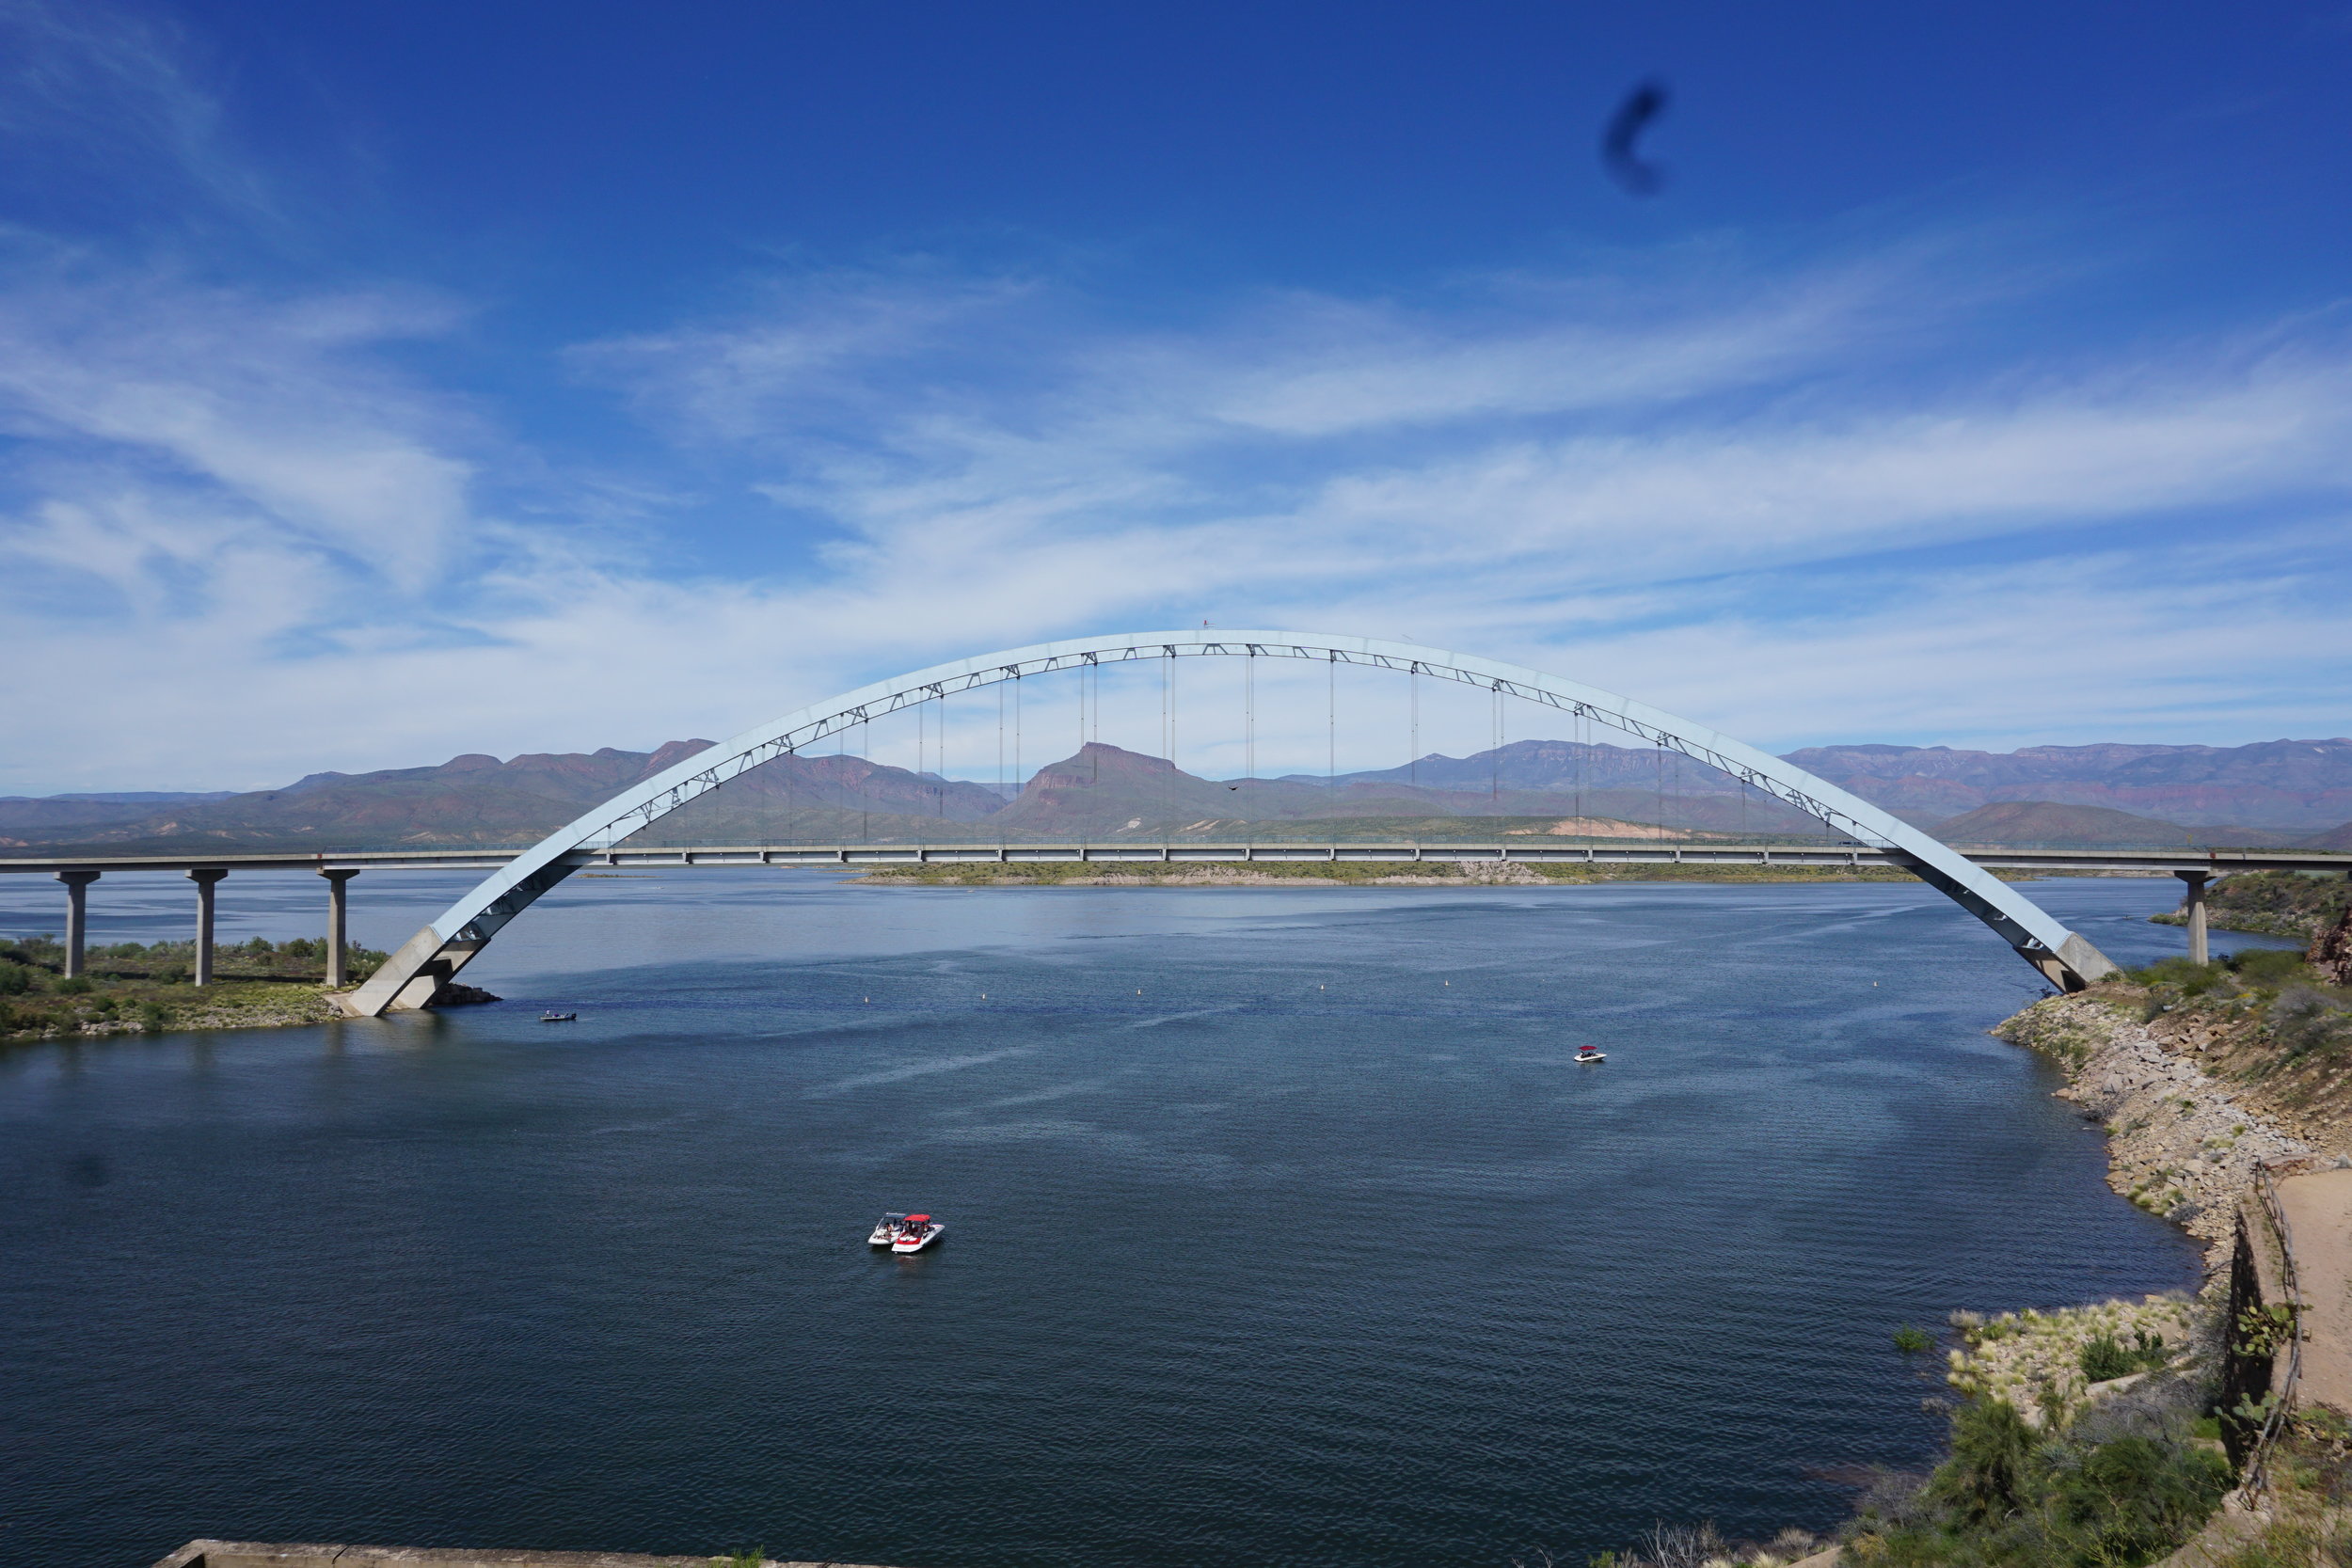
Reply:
x=146 y=986
x=2267 y=1021
x=2298 y=904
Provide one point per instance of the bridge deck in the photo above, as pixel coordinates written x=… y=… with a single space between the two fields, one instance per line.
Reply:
x=2151 y=861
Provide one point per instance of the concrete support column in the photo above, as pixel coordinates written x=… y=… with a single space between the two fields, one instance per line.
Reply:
x=204 y=880
x=337 y=974
x=2193 y=905
x=76 y=916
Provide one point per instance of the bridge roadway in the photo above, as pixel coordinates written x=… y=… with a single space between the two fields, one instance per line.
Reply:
x=2195 y=867
x=2152 y=862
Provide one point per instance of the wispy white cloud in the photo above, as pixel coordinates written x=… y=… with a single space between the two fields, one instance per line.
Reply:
x=130 y=391
x=107 y=101
x=271 y=552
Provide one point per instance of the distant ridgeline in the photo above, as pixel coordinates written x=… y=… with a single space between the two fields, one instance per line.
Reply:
x=2283 y=792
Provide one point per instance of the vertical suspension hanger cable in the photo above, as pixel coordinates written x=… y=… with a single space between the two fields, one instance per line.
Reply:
x=1412 y=762
x=1494 y=754
x=1330 y=725
x=1249 y=719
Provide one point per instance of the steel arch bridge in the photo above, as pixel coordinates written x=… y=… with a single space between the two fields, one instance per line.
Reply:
x=433 y=957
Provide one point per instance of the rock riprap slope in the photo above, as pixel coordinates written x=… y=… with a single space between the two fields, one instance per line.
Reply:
x=2180 y=1143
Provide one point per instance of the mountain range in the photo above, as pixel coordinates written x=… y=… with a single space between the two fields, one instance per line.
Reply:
x=2282 y=786
x=2283 y=791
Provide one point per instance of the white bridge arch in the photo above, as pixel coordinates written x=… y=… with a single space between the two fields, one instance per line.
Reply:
x=431 y=957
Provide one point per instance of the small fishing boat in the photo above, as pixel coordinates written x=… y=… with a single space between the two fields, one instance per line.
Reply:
x=1591 y=1053
x=915 y=1232
x=885 y=1230
x=551 y=1016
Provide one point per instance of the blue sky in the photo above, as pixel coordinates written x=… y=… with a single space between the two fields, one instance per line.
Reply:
x=380 y=381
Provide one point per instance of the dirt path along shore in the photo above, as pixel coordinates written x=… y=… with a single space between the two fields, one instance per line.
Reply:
x=2318 y=1209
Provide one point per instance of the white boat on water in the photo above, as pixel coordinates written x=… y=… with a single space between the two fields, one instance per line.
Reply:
x=885 y=1230
x=915 y=1232
x=1591 y=1053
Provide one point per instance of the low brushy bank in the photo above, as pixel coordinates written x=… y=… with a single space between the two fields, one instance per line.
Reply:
x=2298 y=904
x=2117 y=1488
x=134 y=987
x=2087 y=1440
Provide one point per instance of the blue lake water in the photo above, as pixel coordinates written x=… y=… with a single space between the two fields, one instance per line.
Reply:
x=1282 y=1227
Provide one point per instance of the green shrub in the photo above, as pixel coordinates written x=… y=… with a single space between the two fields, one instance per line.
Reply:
x=2106 y=1356
x=76 y=986
x=2182 y=977
x=154 y=1017
x=2266 y=967
x=1911 y=1341
x=2305 y=1021
x=2131 y=1500
x=15 y=979
x=1988 y=1479
x=2012 y=1496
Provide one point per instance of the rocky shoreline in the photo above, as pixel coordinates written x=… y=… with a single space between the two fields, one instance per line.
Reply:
x=2179 y=1143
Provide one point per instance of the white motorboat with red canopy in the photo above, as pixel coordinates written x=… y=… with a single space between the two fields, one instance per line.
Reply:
x=915 y=1232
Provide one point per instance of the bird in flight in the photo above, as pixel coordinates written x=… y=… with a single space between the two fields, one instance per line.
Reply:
x=1645 y=103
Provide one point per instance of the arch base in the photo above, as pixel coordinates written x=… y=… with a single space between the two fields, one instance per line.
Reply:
x=2073 y=967
x=410 y=979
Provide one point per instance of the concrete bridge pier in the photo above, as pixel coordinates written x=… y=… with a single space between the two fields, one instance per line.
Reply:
x=337 y=970
x=204 y=879
x=2193 y=905
x=76 y=917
